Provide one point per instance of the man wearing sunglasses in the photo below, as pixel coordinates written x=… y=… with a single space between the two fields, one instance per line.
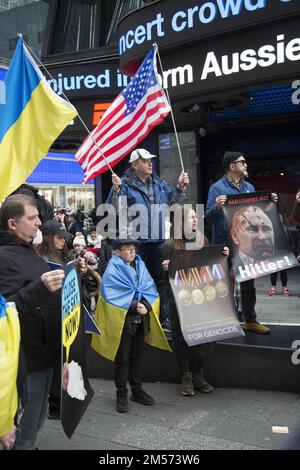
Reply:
x=233 y=182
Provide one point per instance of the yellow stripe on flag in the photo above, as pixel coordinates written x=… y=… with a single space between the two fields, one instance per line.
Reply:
x=110 y=320
x=29 y=139
x=156 y=337
x=9 y=359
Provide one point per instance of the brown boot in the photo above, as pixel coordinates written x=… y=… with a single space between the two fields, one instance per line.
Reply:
x=187 y=387
x=256 y=328
x=201 y=384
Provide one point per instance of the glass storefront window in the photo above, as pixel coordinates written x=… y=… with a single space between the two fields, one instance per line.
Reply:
x=51 y=194
x=76 y=25
x=22 y=16
x=121 y=9
x=88 y=24
x=169 y=162
x=80 y=198
x=71 y=197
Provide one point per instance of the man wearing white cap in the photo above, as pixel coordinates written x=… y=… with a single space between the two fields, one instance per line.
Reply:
x=140 y=185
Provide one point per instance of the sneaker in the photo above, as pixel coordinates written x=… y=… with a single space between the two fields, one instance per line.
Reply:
x=142 y=397
x=272 y=291
x=256 y=328
x=287 y=292
x=187 y=387
x=201 y=384
x=122 y=404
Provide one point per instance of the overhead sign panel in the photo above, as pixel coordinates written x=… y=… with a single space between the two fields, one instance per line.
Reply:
x=99 y=79
x=175 y=23
x=238 y=60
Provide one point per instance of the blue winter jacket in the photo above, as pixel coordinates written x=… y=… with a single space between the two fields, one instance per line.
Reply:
x=163 y=195
x=215 y=216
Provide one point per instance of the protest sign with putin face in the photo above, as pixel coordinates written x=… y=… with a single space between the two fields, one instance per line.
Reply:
x=259 y=245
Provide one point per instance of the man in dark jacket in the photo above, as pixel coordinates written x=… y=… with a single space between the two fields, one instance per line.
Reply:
x=26 y=280
x=233 y=182
x=141 y=186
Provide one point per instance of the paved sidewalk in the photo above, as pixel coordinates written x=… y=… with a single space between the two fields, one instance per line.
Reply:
x=225 y=419
x=278 y=309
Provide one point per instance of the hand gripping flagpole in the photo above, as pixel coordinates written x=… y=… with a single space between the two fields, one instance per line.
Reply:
x=171 y=110
x=67 y=99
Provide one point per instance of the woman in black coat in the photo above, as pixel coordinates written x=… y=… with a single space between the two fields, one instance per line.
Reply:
x=189 y=358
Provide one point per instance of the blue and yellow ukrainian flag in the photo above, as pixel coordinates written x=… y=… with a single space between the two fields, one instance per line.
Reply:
x=32 y=116
x=120 y=285
x=9 y=360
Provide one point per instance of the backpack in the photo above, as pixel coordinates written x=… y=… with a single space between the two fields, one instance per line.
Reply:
x=45 y=207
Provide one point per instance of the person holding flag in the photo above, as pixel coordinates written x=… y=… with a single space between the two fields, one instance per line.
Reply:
x=140 y=185
x=127 y=314
x=140 y=107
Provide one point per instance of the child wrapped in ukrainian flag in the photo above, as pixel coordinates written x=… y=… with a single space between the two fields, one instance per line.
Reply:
x=128 y=315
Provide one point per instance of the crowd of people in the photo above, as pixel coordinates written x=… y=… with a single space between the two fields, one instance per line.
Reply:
x=33 y=253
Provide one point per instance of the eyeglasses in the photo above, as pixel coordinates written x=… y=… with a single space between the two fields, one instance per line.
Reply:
x=241 y=161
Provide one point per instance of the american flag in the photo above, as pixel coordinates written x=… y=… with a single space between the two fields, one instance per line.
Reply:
x=140 y=107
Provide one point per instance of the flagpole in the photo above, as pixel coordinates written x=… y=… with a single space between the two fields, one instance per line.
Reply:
x=67 y=99
x=171 y=110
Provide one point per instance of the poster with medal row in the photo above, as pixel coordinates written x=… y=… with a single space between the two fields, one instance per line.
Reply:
x=203 y=295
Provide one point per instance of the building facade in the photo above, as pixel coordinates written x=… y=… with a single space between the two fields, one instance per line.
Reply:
x=232 y=71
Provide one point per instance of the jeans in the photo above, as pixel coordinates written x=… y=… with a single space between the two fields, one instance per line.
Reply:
x=54 y=398
x=38 y=386
x=152 y=255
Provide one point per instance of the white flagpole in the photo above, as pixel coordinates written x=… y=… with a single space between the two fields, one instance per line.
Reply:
x=172 y=114
x=67 y=99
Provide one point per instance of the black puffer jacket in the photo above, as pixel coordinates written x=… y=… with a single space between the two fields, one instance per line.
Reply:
x=39 y=310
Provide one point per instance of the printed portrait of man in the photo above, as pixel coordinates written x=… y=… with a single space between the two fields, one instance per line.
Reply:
x=252 y=231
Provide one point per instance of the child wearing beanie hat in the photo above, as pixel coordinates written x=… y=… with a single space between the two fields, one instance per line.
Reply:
x=79 y=245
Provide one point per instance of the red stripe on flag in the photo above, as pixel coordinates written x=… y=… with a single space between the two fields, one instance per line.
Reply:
x=118 y=129
x=129 y=119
